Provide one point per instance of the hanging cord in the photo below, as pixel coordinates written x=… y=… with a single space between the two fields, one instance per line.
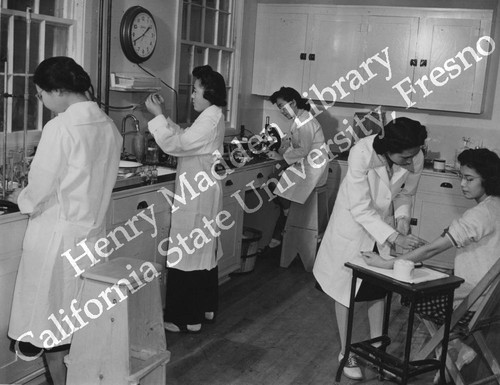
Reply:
x=175 y=92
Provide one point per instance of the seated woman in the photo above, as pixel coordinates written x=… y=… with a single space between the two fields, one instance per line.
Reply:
x=306 y=142
x=476 y=234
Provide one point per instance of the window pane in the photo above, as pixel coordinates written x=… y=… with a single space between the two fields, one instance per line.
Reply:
x=213 y=59
x=199 y=56
x=184 y=102
x=185 y=64
x=20 y=45
x=4 y=20
x=56 y=40
x=224 y=5
x=18 y=104
x=223 y=33
x=50 y=7
x=225 y=66
x=198 y=2
x=184 y=21
x=210 y=26
x=20 y=5
x=210 y=3
x=1 y=100
x=195 y=27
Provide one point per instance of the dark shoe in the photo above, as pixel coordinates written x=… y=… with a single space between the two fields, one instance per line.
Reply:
x=173 y=328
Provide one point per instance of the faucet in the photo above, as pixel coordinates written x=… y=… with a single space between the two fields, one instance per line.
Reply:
x=124 y=124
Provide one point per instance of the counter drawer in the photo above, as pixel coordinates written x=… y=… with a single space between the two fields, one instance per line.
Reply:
x=123 y=209
x=233 y=182
x=449 y=184
x=260 y=175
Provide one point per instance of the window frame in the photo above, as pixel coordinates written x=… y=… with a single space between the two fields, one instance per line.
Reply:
x=233 y=46
x=72 y=12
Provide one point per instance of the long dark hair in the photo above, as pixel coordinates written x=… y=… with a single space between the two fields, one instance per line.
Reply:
x=400 y=134
x=487 y=164
x=64 y=74
x=288 y=94
x=214 y=86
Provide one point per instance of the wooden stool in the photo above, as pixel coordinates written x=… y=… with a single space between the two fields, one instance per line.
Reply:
x=124 y=340
x=304 y=228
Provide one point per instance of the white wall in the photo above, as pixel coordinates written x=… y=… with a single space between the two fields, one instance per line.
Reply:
x=445 y=129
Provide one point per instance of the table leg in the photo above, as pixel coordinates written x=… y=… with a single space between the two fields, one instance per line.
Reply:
x=409 y=335
x=350 y=319
x=446 y=338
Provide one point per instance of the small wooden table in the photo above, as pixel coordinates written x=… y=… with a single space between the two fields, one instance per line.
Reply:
x=402 y=368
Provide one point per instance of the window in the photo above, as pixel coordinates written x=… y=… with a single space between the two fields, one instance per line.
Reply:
x=209 y=37
x=50 y=34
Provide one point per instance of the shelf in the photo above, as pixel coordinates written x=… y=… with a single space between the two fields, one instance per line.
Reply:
x=134 y=89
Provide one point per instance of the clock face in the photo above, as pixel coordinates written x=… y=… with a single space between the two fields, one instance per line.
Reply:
x=143 y=35
x=138 y=35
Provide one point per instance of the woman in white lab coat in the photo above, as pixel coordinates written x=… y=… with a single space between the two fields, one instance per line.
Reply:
x=66 y=199
x=373 y=208
x=305 y=155
x=194 y=246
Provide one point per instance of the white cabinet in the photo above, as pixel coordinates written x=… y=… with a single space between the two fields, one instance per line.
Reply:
x=434 y=58
x=280 y=42
x=304 y=47
x=438 y=201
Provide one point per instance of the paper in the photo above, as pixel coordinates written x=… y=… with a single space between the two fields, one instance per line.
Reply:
x=421 y=274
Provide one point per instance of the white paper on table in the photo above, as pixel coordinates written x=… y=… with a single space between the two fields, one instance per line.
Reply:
x=421 y=274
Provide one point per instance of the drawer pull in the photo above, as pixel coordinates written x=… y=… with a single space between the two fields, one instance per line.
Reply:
x=260 y=175
x=229 y=183
x=446 y=185
x=142 y=205
x=413 y=221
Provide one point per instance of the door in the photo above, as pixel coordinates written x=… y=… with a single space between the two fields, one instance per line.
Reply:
x=280 y=39
x=399 y=36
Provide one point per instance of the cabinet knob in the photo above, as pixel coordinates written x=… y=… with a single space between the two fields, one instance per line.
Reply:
x=229 y=182
x=446 y=185
x=260 y=175
x=303 y=56
x=142 y=205
x=312 y=56
x=423 y=63
x=413 y=221
x=413 y=62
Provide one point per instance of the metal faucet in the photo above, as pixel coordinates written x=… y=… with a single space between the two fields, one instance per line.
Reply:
x=124 y=124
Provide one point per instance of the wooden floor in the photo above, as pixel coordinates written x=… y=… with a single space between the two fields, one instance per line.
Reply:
x=274 y=327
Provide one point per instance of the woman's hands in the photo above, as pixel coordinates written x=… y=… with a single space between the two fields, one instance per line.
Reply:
x=373 y=259
x=154 y=104
x=409 y=241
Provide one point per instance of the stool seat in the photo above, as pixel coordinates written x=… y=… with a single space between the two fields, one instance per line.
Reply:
x=123 y=341
x=304 y=228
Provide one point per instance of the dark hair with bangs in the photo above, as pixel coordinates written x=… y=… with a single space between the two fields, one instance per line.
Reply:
x=288 y=94
x=487 y=164
x=399 y=135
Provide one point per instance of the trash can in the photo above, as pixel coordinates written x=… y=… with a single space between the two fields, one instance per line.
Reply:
x=249 y=248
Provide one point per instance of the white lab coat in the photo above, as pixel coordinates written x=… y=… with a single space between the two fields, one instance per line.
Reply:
x=70 y=183
x=364 y=212
x=195 y=147
x=307 y=159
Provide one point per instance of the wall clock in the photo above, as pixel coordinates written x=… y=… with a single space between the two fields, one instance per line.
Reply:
x=138 y=35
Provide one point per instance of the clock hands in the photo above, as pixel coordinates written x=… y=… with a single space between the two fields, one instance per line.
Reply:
x=140 y=37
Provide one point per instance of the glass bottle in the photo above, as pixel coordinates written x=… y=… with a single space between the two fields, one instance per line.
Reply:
x=152 y=150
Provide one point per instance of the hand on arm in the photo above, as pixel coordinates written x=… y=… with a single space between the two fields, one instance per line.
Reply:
x=409 y=241
x=373 y=259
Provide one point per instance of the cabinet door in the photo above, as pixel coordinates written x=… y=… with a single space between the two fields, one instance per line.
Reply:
x=280 y=39
x=434 y=213
x=337 y=45
x=399 y=36
x=440 y=40
x=231 y=238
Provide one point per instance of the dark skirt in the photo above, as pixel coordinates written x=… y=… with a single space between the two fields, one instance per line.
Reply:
x=190 y=294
